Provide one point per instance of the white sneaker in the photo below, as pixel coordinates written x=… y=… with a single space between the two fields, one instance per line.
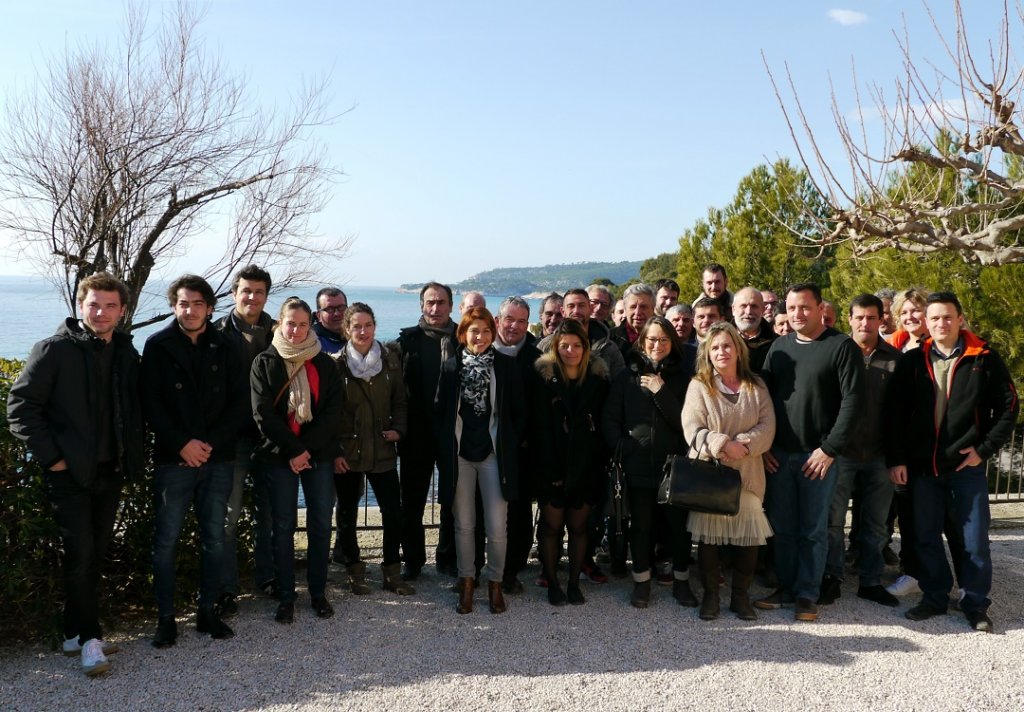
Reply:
x=903 y=586
x=94 y=662
x=71 y=647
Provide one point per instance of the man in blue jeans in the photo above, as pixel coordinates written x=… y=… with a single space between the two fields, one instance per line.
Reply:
x=862 y=472
x=954 y=405
x=815 y=376
x=195 y=398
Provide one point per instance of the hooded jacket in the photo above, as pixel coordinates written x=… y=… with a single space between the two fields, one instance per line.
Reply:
x=981 y=408
x=51 y=406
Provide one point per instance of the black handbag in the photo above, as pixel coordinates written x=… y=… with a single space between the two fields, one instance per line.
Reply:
x=700 y=485
x=618 y=506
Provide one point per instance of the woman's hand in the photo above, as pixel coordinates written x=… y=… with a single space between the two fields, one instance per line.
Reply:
x=300 y=462
x=734 y=451
x=652 y=382
x=391 y=436
x=341 y=465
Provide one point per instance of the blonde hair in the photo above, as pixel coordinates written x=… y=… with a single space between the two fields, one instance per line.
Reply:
x=706 y=370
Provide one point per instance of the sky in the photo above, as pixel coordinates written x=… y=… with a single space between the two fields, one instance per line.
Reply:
x=475 y=135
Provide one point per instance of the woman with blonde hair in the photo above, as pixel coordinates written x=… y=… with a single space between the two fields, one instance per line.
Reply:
x=908 y=312
x=728 y=415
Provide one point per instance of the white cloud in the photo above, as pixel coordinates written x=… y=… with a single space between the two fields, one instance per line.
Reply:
x=847 y=18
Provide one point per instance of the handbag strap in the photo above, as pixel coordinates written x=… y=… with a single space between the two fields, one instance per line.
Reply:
x=703 y=445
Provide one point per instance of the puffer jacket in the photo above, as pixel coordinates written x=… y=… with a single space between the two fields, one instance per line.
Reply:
x=644 y=428
x=371 y=407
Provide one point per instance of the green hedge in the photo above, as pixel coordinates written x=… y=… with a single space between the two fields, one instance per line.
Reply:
x=31 y=592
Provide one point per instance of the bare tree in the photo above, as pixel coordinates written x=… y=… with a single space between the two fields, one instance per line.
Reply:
x=949 y=173
x=120 y=160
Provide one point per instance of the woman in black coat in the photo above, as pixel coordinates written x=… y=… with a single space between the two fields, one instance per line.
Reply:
x=481 y=414
x=643 y=426
x=297 y=403
x=567 y=449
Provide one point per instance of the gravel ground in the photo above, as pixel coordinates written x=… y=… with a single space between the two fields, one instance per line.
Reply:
x=382 y=652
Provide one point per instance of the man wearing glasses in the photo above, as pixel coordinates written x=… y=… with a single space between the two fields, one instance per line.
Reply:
x=601 y=300
x=331 y=304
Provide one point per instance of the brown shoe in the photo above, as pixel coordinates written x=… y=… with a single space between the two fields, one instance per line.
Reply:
x=494 y=597
x=806 y=610
x=465 y=604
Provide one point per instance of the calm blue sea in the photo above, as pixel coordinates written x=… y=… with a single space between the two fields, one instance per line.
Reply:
x=40 y=310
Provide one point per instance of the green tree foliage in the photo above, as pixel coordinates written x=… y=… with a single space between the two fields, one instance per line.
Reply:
x=758 y=236
x=664 y=266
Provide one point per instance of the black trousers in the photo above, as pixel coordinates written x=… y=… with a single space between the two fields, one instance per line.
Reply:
x=418 y=458
x=350 y=487
x=85 y=517
x=643 y=508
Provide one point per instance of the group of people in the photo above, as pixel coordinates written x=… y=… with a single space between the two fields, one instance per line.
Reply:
x=909 y=402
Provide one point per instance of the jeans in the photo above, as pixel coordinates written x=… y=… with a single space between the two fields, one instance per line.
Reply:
x=176 y=487
x=262 y=552
x=350 y=488
x=870 y=483
x=963 y=496
x=495 y=517
x=318 y=491
x=799 y=509
x=85 y=517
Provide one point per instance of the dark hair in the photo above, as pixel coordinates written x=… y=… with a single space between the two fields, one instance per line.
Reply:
x=194 y=283
x=715 y=267
x=252 y=273
x=553 y=297
x=471 y=315
x=710 y=302
x=866 y=301
x=945 y=298
x=571 y=327
x=666 y=326
x=669 y=284
x=577 y=292
x=291 y=303
x=102 y=282
x=805 y=287
x=435 y=285
x=327 y=292
x=358 y=308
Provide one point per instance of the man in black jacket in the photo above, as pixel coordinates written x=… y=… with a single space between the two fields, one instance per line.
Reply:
x=951 y=405
x=196 y=400
x=423 y=349
x=76 y=407
x=250 y=329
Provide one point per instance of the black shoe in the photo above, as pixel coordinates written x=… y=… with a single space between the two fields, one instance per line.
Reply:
x=980 y=621
x=271 y=589
x=556 y=596
x=285 y=613
x=574 y=595
x=511 y=585
x=924 y=611
x=641 y=596
x=831 y=589
x=410 y=573
x=890 y=557
x=683 y=594
x=207 y=621
x=226 y=606
x=166 y=632
x=322 y=607
x=878 y=594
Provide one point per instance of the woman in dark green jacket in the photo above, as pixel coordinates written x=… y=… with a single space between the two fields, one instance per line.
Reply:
x=373 y=422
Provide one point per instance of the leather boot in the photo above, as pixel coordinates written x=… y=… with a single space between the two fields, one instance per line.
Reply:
x=494 y=597
x=707 y=558
x=465 y=604
x=357 y=578
x=393 y=580
x=641 y=596
x=683 y=594
x=742 y=577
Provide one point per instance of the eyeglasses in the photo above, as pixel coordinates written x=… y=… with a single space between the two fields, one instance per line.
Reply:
x=335 y=310
x=598 y=302
x=657 y=340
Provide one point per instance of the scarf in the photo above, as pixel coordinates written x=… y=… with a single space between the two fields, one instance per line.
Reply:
x=475 y=381
x=513 y=350
x=445 y=334
x=364 y=367
x=295 y=356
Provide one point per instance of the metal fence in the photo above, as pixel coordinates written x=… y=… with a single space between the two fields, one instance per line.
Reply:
x=1005 y=471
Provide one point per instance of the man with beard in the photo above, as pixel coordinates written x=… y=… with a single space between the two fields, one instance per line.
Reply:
x=748 y=313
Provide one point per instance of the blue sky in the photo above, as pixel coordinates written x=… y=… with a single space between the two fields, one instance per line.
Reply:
x=494 y=134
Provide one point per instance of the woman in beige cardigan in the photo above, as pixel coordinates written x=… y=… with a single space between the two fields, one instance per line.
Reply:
x=728 y=407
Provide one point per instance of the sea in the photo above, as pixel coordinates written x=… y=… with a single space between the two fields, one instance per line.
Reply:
x=40 y=310
x=35 y=310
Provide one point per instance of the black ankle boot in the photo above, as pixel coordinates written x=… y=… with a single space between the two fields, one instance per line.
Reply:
x=207 y=621
x=683 y=594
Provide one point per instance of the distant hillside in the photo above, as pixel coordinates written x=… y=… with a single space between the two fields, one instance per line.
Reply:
x=549 y=278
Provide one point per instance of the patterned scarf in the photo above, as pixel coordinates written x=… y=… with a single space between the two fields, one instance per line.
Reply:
x=475 y=382
x=300 y=401
x=364 y=367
